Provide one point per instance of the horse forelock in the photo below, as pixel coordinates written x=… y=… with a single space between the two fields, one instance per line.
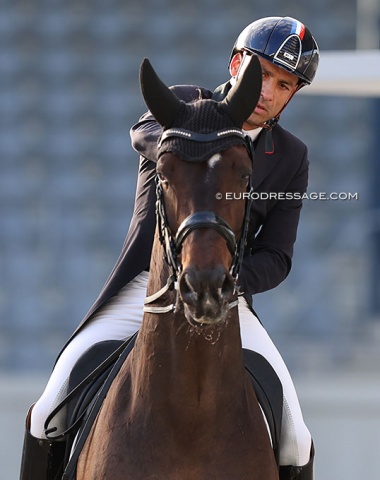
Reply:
x=202 y=116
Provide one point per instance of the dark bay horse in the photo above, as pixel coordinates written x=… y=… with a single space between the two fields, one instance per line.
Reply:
x=182 y=406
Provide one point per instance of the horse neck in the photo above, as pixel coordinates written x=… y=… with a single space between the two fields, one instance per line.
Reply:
x=175 y=359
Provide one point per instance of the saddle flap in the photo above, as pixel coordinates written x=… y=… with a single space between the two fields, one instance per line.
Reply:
x=88 y=363
x=269 y=393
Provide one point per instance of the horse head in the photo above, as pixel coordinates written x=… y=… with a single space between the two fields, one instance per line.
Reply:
x=203 y=175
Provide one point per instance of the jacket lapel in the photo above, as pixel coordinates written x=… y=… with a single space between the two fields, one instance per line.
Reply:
x=263 y=163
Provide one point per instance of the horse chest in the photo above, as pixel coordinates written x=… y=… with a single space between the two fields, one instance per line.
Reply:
x=155 y=442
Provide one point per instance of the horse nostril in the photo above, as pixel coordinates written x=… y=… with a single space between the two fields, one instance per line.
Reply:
x=228 y=287
x=187 y=291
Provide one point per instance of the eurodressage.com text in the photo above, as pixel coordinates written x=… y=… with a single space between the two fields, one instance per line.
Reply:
x=345 y=196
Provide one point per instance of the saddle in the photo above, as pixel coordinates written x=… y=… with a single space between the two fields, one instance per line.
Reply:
x=95 y=371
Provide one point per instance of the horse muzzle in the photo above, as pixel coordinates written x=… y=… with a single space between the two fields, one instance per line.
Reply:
x=206 y=294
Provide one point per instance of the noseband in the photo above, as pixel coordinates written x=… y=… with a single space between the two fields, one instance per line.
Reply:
x=172 y=246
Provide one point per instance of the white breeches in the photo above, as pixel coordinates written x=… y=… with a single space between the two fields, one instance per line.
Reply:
x=121 y=317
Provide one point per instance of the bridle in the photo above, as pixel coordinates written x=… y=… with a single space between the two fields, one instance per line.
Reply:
x=203 y=219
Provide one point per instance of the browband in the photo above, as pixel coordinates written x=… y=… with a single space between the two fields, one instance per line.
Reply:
x=201 y=137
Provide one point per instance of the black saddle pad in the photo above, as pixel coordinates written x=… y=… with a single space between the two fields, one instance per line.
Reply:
x=269 y=392
x=88 y=380
x=88 y=363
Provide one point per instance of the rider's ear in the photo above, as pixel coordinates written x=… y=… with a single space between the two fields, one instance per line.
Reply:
x=235 y=64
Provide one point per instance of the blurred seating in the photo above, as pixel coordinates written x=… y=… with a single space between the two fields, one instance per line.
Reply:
x=68 y=95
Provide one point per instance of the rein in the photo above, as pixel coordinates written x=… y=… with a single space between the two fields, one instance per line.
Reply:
x=204 y=219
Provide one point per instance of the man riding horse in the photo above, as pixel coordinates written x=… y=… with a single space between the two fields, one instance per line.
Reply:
x=289 y=58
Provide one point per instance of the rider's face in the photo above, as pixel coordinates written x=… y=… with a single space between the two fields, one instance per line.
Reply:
x=278 y=86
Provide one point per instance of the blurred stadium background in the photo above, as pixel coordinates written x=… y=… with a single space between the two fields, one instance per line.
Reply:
x=69 y=93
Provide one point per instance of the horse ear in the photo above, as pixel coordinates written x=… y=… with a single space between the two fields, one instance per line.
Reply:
x=161 y=101
x=244 y=95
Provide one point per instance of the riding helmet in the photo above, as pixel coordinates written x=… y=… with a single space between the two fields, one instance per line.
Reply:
x=285 y=42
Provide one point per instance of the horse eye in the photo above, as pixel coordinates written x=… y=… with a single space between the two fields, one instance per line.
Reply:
x=246 y=177
x=164 y=182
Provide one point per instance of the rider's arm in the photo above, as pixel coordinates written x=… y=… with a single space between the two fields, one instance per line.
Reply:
x=271 y=251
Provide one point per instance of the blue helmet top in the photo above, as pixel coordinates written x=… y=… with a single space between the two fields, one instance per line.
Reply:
x=284 y=41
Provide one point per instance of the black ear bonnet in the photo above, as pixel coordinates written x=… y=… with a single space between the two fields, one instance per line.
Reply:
x=204 y=117
x=195 y=131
